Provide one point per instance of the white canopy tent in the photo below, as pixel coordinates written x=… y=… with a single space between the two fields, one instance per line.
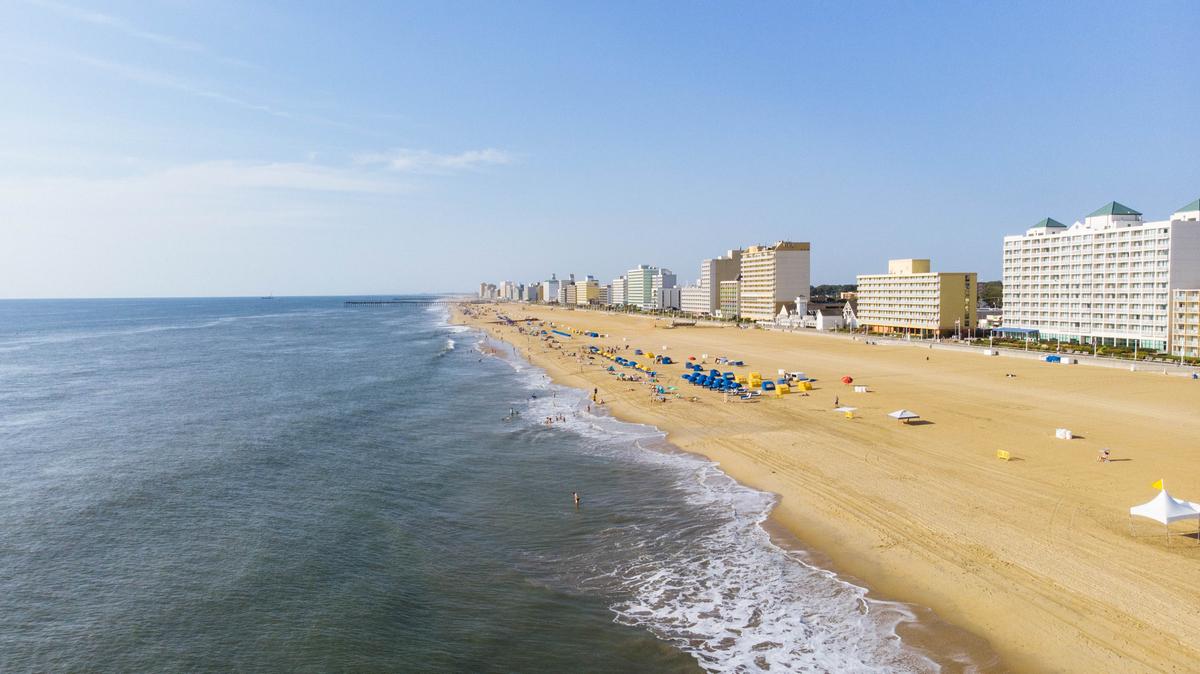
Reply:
x=1166 y=509
x=904 y=415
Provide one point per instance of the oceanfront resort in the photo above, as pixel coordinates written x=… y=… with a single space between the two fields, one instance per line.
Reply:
x=1022 y=460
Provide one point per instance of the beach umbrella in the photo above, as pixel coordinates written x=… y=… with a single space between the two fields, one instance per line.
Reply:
x=691 y=358
x=848 y=411
x=847 y=379
x=904 y=415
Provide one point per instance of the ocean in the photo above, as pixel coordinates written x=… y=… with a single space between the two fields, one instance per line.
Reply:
x=295 y=484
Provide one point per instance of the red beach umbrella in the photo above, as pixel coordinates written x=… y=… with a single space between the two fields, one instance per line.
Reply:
x=691 y=358
x=847 y=379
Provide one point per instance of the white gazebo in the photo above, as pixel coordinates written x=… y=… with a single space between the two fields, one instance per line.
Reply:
x=1166 y=509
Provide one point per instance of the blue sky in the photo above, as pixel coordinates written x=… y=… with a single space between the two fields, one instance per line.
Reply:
x=182 y=147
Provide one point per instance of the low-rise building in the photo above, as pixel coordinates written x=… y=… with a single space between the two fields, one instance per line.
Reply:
x=911 y=299
x=850 y=313
x=828 y=318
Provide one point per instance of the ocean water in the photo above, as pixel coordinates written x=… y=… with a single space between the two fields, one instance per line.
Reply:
x=299 y=485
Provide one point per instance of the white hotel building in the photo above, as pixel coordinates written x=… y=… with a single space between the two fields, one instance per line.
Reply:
x=1106 y=280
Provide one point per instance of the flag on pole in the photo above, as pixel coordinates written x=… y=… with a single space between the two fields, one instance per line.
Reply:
x=1157 y=485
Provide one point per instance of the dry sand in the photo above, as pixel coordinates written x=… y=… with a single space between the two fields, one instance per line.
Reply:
x=1035 y=554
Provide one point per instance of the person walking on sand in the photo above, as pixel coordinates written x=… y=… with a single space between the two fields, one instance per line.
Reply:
x=835 y=401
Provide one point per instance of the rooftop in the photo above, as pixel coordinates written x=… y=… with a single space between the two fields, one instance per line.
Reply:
x=1113 y=208
x=1050 y=222
x=1194 y=206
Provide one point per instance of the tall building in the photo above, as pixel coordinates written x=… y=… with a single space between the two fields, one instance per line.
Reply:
x=1106 y=280
x=666 y=298
x=511 y=291
x=1185 y=322
x=728 y=305
x=696 y=300
x=550 y=289
x=605 y=298
x=662 y=281
x=587 y=291
x=912 y=299
x=639 y=286
x=487 y=291
x=702 y=298
x=617 y=292
x=773 y=277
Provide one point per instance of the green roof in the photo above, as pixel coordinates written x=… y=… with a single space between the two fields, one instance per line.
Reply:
x=1194 y=206
x=1113 y=208
x=1048 y=222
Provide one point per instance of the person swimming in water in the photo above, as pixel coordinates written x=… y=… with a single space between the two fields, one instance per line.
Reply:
x=575 y=495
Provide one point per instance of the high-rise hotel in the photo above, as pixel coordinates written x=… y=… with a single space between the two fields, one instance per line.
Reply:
x=1106 y=280
x=772 y=277
x=912 y=299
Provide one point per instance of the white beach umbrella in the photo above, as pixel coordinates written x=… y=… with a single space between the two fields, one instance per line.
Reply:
x=845 y=410
x=904 y=415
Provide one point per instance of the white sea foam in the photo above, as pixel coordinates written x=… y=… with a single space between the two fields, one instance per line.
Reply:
x=716 y=586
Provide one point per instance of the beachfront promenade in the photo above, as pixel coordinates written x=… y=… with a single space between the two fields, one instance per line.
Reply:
x=977 y=346
x=1034 y=554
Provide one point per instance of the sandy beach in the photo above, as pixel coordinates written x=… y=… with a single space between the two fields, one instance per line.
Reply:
x=1034 y=555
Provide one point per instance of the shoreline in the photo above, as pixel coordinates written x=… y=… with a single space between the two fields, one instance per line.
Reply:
x=1034 y=555
x=922 y=631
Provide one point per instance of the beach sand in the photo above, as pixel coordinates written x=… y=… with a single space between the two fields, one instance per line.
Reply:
x=1034 y=555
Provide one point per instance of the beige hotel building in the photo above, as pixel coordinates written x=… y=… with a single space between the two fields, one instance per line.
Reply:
x=773 y=276
x=911 y=299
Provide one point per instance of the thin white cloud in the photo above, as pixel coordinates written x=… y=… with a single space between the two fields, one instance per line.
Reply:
x=116 y=23
x=215 y=177
x=408 y=160
x=280 y=175
x=165 y=81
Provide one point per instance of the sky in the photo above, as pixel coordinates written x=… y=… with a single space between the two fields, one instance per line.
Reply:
x=217 y=148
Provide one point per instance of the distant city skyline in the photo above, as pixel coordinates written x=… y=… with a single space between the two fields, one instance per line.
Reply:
x=229 y=148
